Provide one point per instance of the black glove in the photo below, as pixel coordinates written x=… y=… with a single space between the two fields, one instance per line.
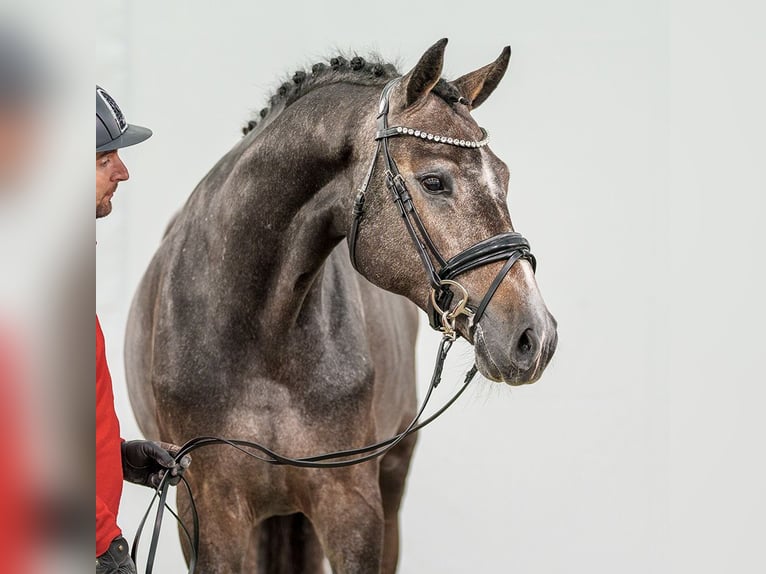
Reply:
x=116 y=560
x=146 y=462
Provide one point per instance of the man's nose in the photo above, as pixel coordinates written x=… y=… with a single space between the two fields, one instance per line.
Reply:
x=120 y=171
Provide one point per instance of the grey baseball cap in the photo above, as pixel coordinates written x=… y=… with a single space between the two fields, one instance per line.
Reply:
x=112 y=131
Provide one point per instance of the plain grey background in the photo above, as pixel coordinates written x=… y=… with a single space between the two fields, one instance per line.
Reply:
x=635 y=136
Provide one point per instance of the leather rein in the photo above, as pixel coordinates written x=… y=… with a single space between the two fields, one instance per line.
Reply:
x=509 y=246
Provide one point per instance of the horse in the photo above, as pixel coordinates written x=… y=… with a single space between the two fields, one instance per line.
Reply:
x=282 y=306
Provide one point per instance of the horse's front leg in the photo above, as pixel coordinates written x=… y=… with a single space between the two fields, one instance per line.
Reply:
x=393 y=475
x=347 y=513
x=226 y=521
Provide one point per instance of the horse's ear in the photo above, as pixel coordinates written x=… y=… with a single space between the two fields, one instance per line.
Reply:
x=478 y=85
x=423 y=77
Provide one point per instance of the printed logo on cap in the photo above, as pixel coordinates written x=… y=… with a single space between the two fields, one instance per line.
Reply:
x=115 y=109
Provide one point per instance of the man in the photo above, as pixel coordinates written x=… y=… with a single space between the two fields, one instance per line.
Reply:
x=139 y=461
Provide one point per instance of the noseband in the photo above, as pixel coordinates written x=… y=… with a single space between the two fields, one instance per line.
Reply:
x=509 y=246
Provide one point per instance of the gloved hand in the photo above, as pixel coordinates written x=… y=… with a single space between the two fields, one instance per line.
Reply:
x=146 y=462
x=116 y=560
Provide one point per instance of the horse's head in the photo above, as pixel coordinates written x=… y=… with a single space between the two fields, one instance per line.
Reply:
x=458 y=189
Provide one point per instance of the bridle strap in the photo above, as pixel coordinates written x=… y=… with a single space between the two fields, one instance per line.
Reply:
x=358 y=211
x=515 y=256
x=403 y=201
x=487 y=251
x=509 y=247
x=397 y=187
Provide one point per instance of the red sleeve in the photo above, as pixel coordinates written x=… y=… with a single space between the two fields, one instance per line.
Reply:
x=106 y=527
x=108 y=454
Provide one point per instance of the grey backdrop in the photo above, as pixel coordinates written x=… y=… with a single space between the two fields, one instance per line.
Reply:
x=634 y=133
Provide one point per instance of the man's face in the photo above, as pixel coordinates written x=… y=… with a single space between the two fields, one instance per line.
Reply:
x=109 y=172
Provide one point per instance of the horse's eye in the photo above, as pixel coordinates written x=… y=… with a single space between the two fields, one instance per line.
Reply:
x=432 y=184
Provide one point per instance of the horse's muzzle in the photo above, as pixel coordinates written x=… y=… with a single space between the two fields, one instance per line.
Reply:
x=519 y=359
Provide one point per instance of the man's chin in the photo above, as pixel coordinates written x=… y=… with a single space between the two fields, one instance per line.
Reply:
x=103 y=209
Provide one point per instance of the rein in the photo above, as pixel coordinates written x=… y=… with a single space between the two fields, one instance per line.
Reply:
x=509 y=246
x=264 y=454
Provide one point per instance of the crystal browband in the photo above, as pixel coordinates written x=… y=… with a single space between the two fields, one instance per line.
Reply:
x=403 y=131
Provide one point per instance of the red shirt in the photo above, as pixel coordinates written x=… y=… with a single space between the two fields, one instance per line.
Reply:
x=108 y=453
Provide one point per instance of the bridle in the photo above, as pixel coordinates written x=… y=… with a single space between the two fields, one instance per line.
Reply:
x=509 y=246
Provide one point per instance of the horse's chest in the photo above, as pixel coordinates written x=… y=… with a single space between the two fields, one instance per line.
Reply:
x=326 y=379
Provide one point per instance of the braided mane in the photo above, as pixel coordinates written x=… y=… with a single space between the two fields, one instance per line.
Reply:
x=357 y=70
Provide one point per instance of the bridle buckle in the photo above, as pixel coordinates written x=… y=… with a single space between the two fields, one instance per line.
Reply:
x=449 y=316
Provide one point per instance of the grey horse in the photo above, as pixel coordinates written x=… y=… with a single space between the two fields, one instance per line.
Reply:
x=252 y=323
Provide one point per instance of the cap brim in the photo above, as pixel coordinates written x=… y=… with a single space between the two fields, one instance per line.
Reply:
x=131 y=136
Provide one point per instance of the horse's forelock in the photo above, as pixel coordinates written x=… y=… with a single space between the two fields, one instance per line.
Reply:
x=447 y=92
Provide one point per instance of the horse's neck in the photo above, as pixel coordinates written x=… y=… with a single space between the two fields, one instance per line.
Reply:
x=282 y=202
x=303 y=250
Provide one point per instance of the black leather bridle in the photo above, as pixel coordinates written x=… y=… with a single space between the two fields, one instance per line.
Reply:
x=509 y=246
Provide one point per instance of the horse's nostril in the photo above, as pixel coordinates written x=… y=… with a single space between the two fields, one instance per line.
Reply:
x=526 y=349
x=525 y=343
